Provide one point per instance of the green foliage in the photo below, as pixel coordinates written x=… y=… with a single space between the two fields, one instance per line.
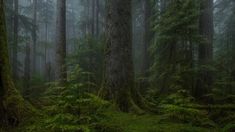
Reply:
x=174 y=113
x=229 y=128
x=180 y=107
x=89 y=56
x=176 y=33
x=126 y=122
x=181 y=97
x=69 y=109
x=224 y=45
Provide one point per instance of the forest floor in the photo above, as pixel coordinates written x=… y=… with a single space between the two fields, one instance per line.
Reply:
x=116 y=121
x=150 y=123
x=126 y=122
x=69 y=112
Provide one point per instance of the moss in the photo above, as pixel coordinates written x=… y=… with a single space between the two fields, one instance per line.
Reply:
x=147 y=123
x=13 y=103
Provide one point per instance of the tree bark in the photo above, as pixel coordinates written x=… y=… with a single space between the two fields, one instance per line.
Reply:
x=15 y=45
x=97 y=18
x=45 y=51
x=205 y=50
x=27 y=69
x=119 y=79
x=11 y=106
x=34 y=35
x=147 y=37
x=93 y=19
x=10 y=4
x=163 y=5
x=61 y=73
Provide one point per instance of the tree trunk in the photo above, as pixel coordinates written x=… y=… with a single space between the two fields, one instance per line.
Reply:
x=34 y=35
x=93 y=19
x=10 y=4
x=15 y=45
x=163 y=5
x=27 y=69
x=147 y=37
x=88 y=23
x=97 y=17
x=205 y=53
x=61 y=73
x=10 y=100
x=45 y=51
x=119 y=79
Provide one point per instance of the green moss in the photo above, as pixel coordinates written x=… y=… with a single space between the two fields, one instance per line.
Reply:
x=13 y=103
x=146 y=123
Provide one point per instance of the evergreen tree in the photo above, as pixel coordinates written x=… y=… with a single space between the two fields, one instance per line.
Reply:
x=11 y=102
x=224 y=45
x=15 y=45
x=176 y=33
x=34 y=35
x=119 y=79
x=205 y=50
x=61 y=73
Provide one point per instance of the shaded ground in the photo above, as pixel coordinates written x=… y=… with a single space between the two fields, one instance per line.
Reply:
x=148 y=123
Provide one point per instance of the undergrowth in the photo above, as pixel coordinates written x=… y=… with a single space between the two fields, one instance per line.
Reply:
x=71 y=108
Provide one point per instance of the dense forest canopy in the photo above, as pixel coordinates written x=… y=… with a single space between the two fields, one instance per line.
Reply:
x=117 y=65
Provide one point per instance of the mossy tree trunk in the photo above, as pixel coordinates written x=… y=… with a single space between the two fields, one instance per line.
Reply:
x=11 y=103
x=119 y=77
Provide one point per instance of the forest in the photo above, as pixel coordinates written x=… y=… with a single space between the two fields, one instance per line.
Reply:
x=117 y=66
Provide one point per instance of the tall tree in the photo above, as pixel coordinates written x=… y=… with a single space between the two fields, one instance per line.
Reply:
x=93 y=18
x=61 y=73
x=97 y=17
x=27 y=67
x=34 y=34
x=10 y=100
x=147 y=36
x=205 y=52
x=15 y=45
x=173 y=48
x=118 y=81
x=10 y=26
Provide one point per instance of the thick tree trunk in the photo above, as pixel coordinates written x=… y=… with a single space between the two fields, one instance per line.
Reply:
x=206 y=29
x=15 y=45
x=205 y=53
x=11 y=106
x=34 y=35
x=118 y=81
x=61 y=73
